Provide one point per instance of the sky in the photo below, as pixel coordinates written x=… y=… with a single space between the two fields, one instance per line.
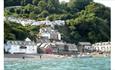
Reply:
x=104 y=2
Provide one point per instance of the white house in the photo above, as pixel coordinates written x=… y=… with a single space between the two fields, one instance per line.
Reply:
x=102 y=46
x=27 y=47
x=50 y=33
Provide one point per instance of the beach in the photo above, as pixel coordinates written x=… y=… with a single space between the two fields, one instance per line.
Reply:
x=33 y=56
x=12 y=57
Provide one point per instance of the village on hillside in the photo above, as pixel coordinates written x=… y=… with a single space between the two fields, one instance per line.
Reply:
x=34 y=22
x=75 y=28
x=49 y=42
x=56 y=35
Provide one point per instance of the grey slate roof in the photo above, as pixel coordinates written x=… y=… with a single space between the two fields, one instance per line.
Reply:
x=21 y=42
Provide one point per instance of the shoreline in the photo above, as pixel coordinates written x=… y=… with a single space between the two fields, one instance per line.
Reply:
x=45 y=56
x=100 y=55
x=33 y=56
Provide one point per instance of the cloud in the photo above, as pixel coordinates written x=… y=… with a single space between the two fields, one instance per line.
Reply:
x=104 y=2
x=64 y=0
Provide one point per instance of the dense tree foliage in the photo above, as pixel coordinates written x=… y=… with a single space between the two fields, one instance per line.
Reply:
x=85 y=19
x=28 y=6
x=15 y=31
x=16 y=2
x=88 y=25
x=77 y=5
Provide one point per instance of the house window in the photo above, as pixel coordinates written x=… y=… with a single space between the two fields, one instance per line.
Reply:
x=23 y=47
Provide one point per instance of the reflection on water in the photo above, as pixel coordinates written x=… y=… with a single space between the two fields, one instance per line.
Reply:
x=59 y=64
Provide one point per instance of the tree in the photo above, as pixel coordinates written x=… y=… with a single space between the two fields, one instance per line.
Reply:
x=23 y=2
x=42 y=5
x=29 y=8
x=14 y=31
x=32 y=15
x=11 y=3
x=32 y=32
x=78 y=5
x=44 y=13
x=36 y=10
x=17 y=10
x=63 y=7
x=100 y=11
x=7 y=12
x=54 y=17
x=7 y=30
x=53 y=6
x=90 y=26
x=35 y=2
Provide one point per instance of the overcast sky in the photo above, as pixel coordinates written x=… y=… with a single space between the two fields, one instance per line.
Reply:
x=105 y=2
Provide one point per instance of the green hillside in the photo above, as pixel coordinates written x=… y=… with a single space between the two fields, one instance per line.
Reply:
x=85 y=19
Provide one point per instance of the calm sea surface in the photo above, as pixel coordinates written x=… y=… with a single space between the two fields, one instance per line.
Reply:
x=59 y=64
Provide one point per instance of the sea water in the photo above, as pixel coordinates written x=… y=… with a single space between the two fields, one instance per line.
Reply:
x=59 y=64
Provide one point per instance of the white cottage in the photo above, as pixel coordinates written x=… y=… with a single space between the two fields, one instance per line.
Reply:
x=49 y=33
x=102 y=46
x=26 y=47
